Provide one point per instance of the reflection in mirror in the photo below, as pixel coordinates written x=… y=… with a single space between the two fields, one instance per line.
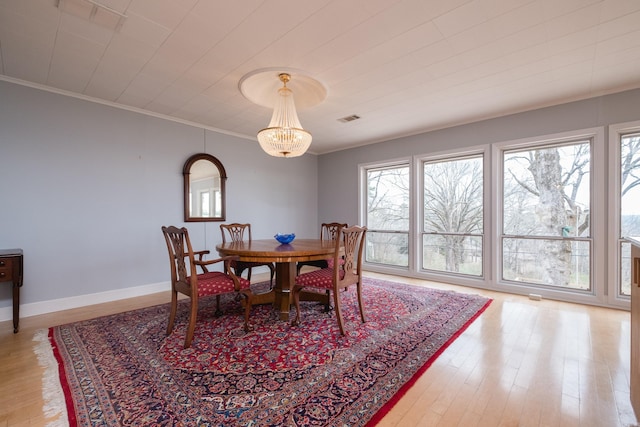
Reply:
x=204 y=182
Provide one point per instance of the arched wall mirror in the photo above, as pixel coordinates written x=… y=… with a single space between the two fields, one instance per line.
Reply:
x=204 y=195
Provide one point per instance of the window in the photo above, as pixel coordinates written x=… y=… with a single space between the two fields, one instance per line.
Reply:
x=546 y=215
x=527 y=216
x=387 y=215
x=205 y=203
x=629 y=195
x=453 y=215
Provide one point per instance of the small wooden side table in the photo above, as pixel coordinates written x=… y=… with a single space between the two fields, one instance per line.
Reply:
x=11 y=271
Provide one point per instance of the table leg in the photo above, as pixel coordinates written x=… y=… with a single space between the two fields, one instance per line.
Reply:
x=281 y=294
x=16 y=306
x=285 y=279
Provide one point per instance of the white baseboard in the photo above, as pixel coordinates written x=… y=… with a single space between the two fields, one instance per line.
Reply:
x=44 y=307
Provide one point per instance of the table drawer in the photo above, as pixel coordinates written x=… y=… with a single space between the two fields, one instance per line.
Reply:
x=6 y=269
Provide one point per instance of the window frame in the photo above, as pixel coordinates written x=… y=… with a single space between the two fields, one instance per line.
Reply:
x=363 y=214
x=545 y=237
x=598 y=255
x=616 y=132
x=443 y=156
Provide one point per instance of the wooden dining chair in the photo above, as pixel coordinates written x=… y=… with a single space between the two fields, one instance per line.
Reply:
x=345 y=271
x=186 y=280
x=235 y=232
x=329 y=232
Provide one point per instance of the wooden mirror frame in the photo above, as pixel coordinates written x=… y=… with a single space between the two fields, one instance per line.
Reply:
x=186 y=172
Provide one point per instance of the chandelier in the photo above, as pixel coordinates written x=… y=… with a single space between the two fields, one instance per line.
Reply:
x=284 y=137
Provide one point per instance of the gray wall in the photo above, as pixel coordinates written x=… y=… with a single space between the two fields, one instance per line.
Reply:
x=340 y=169
x=86 y=188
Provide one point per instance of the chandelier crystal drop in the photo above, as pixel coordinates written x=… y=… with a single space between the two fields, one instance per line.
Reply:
x=284 y=137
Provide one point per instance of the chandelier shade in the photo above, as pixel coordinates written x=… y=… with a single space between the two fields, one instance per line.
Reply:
x=284 y=137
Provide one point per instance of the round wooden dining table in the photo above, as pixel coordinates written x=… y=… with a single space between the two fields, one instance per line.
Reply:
x=285 y=257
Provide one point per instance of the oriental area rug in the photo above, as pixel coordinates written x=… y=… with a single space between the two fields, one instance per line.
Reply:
x=122 y=370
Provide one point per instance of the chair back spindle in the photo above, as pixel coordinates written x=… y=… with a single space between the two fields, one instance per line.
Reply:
x=344 y=271
x=329 y=232
x=235 y=232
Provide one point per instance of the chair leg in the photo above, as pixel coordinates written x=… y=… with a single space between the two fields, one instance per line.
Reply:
x=248 y=274
x=296 y=302
x=247 y=309
x=360 y=303
x=172 y=312
x=218 y=312
x=273 y=273
x=327 y=306
x=336 y=303
x=192 y=322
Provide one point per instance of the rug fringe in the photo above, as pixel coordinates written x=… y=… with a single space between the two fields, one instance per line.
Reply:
x=52 y=394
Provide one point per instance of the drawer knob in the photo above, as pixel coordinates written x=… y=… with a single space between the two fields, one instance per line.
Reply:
x=2 y=274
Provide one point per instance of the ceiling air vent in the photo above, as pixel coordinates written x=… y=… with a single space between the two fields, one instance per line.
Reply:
x=93 y=11
x=349 y=118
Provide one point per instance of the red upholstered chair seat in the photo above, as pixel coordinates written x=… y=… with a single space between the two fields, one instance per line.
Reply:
x=217 y=283
x=319 y=279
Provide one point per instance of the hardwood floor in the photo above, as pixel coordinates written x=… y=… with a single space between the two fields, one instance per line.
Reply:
x=522 y=363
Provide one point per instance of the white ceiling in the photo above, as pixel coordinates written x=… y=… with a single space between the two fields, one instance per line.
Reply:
x=403 y=66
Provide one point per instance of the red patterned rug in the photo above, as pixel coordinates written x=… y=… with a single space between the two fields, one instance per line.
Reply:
x=122 y=370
